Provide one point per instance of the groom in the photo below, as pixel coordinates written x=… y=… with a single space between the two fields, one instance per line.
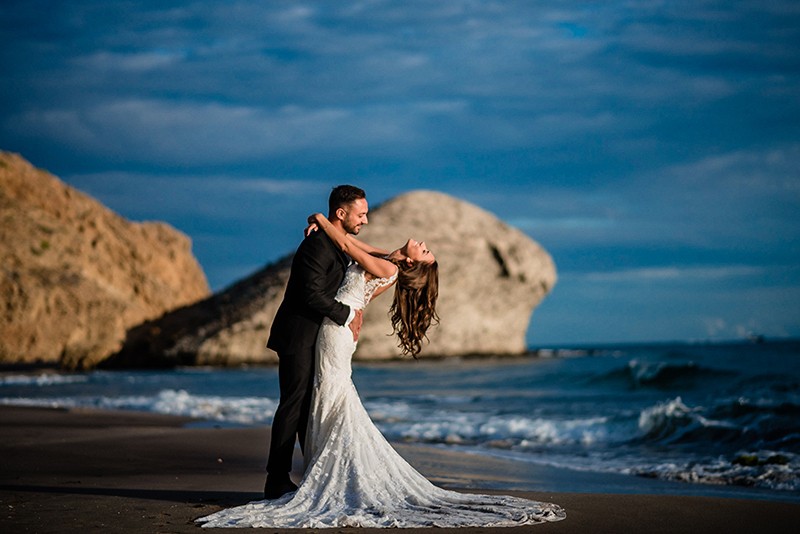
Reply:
x=317 y=272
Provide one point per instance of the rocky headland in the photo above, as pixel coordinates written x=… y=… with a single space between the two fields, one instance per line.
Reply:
x=492 y=276
x=76 y=276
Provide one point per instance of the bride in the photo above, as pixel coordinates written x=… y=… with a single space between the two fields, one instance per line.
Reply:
x=353 y=477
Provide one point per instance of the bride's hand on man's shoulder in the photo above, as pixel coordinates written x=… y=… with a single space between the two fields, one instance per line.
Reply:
x=313 y=223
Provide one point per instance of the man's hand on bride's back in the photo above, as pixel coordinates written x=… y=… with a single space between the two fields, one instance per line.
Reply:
x=355 y=324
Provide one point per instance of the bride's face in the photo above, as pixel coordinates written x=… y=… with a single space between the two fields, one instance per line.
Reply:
x=417 y=251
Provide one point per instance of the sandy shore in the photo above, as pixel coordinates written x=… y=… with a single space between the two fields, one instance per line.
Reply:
x=92 y=471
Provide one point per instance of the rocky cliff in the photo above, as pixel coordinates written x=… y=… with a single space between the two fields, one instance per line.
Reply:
x=492 y=276
x=75 y=276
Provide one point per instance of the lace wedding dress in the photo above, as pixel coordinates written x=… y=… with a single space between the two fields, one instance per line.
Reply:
x=353 y=476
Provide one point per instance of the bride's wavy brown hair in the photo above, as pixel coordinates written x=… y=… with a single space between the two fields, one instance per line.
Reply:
x=413 y=309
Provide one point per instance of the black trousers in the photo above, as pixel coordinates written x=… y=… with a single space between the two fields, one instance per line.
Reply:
x=296 y=379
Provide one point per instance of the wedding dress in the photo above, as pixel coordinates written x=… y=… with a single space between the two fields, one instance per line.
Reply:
x=353 y=476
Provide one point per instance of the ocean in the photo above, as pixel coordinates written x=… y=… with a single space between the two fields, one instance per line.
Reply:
x=693 y=415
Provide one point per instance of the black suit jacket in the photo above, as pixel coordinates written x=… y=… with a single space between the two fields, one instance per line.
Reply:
x=317 y=272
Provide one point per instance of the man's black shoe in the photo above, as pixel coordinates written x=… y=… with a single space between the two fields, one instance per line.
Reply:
x=273 y=490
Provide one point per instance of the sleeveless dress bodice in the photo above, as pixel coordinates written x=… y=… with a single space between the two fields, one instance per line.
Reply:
x=356 y=291
x=335 y=343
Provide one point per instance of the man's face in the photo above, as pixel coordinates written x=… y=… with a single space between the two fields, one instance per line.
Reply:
x=355 y=215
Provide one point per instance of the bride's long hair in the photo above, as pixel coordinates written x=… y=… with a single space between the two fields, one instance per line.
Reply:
x=413 y=309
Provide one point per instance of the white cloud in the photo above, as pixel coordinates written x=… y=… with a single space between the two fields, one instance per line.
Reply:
x=684 y=274
x=775 y=170
x=191 y=133
x=563 y=224
x=744 y=195
x=136 y=61
x=714 y=326
x=194 y=182
x=202 y=198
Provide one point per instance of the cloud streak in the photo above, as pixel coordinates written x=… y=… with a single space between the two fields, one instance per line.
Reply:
x=683 y=274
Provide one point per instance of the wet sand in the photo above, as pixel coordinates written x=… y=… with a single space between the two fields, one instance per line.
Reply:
x=96 y=471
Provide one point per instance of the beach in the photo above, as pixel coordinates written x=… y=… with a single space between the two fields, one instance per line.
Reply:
x=83 y=470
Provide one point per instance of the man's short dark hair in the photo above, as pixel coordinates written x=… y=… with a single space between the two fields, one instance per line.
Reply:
x=342 y=195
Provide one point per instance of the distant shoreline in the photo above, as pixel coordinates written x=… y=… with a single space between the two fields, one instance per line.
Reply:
x=546 y=350
x=686 y=342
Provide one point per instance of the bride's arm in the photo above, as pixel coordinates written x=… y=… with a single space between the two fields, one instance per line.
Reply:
x=369 y=249
x=373 y=265
x=366 y=247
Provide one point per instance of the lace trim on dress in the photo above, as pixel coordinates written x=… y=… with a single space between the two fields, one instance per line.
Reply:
x=375 y=283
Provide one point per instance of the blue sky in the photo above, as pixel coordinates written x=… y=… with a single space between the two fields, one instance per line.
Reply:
x=652 y=147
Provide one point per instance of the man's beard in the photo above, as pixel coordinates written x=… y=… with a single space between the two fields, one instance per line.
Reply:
x=352 y=229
